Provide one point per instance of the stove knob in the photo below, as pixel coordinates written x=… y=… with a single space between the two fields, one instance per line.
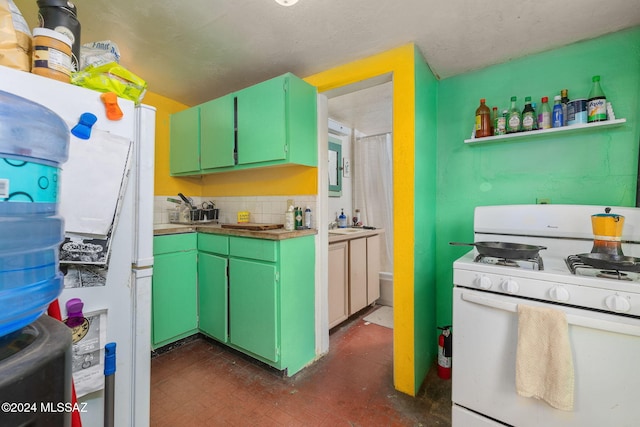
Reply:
x=510 y=286
x=483 y=282
x=617 y=303
x=559 y=293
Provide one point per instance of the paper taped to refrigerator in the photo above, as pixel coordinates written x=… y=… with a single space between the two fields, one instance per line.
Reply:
x=92 y=183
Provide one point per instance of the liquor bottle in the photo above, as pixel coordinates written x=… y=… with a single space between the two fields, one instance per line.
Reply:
x=514 y=119
x=556 y=116
x=544 y=115
x=564 y=101
x=597 y=102
x=483 y=120
x=535 y=116
x=528 y=115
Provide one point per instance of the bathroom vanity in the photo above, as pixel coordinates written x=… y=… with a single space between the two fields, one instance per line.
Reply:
x=354 y=267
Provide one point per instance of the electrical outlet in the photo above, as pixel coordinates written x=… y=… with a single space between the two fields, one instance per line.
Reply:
x=543 y=201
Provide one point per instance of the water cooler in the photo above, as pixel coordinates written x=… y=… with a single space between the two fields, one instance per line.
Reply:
x=35 y=350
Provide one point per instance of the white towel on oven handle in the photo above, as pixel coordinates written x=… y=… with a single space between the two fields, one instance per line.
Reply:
x=544 y=361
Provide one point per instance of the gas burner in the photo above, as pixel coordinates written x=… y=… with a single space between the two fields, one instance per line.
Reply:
x=613 y=274
x=577 y=267
x=530 y=264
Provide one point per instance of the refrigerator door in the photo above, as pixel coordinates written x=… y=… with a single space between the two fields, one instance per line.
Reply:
x=143 y=170
x=124 y=293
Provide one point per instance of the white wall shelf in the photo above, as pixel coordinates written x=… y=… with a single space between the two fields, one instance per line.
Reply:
x=546 y=132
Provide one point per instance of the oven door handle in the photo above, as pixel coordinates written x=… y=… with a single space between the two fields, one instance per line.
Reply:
x=572 y=319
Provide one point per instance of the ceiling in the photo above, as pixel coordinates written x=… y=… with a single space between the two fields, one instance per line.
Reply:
x=197 y=50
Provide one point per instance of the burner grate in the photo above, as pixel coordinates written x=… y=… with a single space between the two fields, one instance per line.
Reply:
x=531 y=263
x=574 y=263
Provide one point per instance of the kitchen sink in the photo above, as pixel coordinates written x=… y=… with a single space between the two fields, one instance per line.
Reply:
x=345 y=230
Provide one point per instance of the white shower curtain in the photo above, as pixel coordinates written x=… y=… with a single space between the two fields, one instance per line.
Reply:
x=373 y=189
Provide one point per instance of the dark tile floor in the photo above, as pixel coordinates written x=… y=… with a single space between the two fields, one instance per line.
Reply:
x=202 y=383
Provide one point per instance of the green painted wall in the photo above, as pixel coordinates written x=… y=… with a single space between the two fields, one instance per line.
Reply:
x=426 y=89
x=582 y=168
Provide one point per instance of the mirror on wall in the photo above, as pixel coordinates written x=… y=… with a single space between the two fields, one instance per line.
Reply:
x=335 y=169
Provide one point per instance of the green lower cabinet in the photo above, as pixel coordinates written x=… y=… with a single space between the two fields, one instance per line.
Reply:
x=213 y=295
x=253 y=307
x=174 y=295
x=272 y=300
x=255 y=295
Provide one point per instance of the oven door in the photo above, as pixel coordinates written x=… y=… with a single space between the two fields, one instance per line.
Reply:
x=606 y=359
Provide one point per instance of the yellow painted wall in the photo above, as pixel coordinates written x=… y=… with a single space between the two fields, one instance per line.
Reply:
x=399 y=62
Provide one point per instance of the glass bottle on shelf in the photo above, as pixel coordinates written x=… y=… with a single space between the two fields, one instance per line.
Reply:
x=494 y=118
x=597 y=102
x=528 y=115
x=556 y=115
x=500 y=125
x=513 y=119
x=564 y=101
x=544 y=115
x=483 y=120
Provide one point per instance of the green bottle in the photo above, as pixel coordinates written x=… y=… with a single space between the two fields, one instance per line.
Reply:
x=513 y=120
x=528 y=115
x=597 y=103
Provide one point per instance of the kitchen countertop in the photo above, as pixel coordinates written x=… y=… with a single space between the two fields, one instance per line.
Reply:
x=276 y=234
x=361 y=232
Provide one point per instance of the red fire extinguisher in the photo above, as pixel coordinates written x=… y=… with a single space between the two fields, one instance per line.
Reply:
x=444 y=352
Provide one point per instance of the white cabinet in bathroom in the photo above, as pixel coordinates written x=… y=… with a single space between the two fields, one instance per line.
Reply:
x=338 y=283
x=354 y=269
x=364 y=272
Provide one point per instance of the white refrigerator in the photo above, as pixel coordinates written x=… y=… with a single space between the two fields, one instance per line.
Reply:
x=123 y=297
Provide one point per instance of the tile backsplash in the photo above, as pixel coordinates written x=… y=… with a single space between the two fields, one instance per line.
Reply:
x=262 y=209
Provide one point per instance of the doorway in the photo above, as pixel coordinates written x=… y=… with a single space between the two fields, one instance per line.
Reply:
x=361 y=119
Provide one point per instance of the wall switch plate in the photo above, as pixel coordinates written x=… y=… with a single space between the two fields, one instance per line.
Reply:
x=543 y=201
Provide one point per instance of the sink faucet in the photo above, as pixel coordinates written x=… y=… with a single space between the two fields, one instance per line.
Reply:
x=333 y=224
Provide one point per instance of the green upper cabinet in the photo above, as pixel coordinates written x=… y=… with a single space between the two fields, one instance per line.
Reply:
x=184 y=156
x=262 y=130
x=269 y=124
x=217 y=133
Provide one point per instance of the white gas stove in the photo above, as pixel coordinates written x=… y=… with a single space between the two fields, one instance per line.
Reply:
x=565 y=231
x=602 y=309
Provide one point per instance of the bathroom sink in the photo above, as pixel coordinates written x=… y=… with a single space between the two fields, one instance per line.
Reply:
x=345 y=230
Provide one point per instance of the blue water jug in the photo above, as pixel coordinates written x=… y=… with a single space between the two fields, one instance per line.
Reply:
x=34 y=142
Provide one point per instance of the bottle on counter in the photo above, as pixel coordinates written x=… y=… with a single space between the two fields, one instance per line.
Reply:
x=597 y=102
x=528 y=115
x=342 y=220
x=556 y=115
x=564 y=101
x=307 y=217
x=514 y=120
x=298 y=217
x=544 y=114
x=483 y=120
x=289 y=219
